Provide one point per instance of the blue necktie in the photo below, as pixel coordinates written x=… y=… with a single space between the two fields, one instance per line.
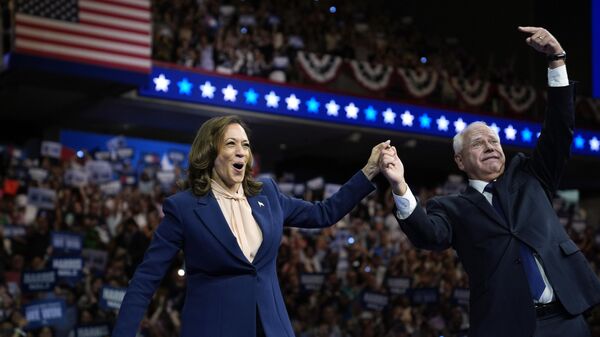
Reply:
x=534 y=277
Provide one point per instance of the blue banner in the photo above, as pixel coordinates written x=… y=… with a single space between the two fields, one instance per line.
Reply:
x=68 y=269
x=461 y=296
x=41 y=197
x=398 y=285
x=12 y=231
x=177 y=156
x=286 y=100
x=312 y=281
x=44 y=312
x=38 y=280
x=424 y=295
x=111 y=297
x=66 y=243
x=96 y=330
x=374 y=301
x=95 y=260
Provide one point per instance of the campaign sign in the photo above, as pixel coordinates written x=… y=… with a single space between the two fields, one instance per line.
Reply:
x=125 y=153
x=176 y=156
x=150 y=158
x=12 y=231
x=13 y=279
x=116 y=143
x=129 y=180
x=95 y=260
x=375 y=301
x=38 y=174
x=66 y=243
x=461 y=296
x=51 y=149
x=316 y=183
x=111 y=297
x=76 y=177
x=286 y=188
x=41 y=197
x=424 y=295
x=44 y=312
x=38 y=280
x=299 y=189
x=398 y=285
x=165 y=178
x=68 y=269
x=99 y=171
x=96 y=330
x=312 y=281
x=111 y=188
x=331 y=189
x=102 y=155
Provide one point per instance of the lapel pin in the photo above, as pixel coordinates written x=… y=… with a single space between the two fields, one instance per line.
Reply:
x=260 y=204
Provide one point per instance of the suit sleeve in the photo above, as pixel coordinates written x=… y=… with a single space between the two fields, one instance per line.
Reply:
x=300 y=213
x=166 y=242
x=553 y=148
x=431 y=230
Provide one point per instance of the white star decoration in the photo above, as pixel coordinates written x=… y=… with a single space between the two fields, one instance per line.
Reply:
x=332 y=108
x=510 y=132
x=292 y=102
x=161 y=83
x=459 y=125
x=229 y=93
x=351 y=111
x=272 y=100
x=594 y=144
x=442 y=123
x=407 y=118
x=389 y=117
x=495 y=128
x=208 y=90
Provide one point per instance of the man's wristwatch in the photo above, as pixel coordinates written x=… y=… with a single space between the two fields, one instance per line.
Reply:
x=556 y=57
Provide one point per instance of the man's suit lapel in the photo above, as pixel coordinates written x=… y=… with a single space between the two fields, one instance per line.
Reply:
x=503 y=194
x=481 y=202
x=210 y=215
x=261 y=210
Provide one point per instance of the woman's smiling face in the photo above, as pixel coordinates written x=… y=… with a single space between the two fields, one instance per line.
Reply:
x=234 y=153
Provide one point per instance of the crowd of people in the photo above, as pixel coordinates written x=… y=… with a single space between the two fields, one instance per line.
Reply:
x=255 y=37
x=361 y=277
x=263 y=38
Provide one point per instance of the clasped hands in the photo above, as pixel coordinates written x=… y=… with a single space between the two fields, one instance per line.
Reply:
x=384 y=158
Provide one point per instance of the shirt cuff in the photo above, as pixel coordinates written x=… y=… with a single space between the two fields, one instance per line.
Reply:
x=557 y=77
x=405 y=204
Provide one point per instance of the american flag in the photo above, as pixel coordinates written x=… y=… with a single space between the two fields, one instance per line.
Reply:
x=107 y=33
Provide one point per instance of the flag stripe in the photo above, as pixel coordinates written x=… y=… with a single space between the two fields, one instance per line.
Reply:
x=112 y=21
x=115 y=10
x=132 y=5
x=144 y=4
x=80 y=30
x=109 y=58
x=37 y=52
x=82 y=42
x=125 y=20
x=136 y=38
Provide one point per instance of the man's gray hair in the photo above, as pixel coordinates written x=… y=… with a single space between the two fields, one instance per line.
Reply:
x=458 y=141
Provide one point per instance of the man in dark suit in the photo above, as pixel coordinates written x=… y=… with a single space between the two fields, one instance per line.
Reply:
x=527 y=277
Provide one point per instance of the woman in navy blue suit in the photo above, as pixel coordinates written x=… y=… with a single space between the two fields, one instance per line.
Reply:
x=229 y=227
